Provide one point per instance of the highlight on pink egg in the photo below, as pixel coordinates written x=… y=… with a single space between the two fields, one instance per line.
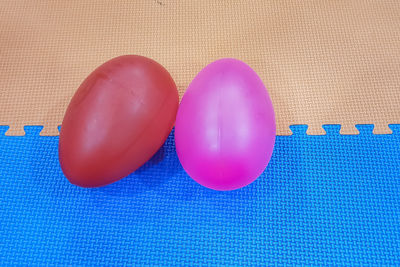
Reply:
x=225 y=127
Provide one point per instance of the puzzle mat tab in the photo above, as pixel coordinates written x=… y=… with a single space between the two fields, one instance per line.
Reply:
x=323 y=62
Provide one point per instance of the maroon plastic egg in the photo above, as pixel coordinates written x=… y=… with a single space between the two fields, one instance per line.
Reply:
x=117 y=120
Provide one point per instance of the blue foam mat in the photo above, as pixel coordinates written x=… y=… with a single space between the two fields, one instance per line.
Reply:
x=330 y=199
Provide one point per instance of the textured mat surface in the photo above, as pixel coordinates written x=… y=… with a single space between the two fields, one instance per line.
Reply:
x=322 y=61
x=331 y=199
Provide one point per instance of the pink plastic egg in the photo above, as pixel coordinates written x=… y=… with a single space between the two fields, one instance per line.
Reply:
x=225 y=127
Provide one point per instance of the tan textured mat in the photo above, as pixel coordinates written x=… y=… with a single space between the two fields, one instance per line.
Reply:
x=323 y=61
